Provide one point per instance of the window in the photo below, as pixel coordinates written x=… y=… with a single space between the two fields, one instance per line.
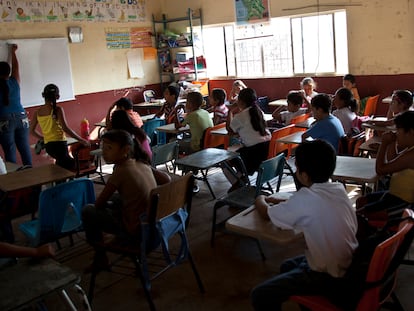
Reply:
x=284 y=47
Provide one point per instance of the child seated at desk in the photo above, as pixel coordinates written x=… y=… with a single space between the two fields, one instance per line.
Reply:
x=318 y=209
x=198 y=119
x=124 y=104
x=396 y=158
x=326 y=127
x=348 y=81
x=346 y=106
x=401 y=101
x=168 y=110
x=294 y=109
x=220 y=110
x=52 y=121
x=133 y=178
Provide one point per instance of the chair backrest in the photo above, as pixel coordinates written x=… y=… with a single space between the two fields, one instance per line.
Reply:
x=148 y=95
x=150 y=126
x=371 y=105
x=60 y=208
x=384 y=263
x=349 y=146
x=164 y=153
x=270 y=169
x=301 y=118
x=168 y=198
x=276 y=147
x=263 y=103
x=211 y=141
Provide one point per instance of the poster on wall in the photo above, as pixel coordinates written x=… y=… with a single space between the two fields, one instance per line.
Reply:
x=26 y=11
x=251 y=11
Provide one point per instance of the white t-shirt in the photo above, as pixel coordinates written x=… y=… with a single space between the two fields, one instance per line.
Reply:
x=242 y=125
x=324 y=213
x=346 y=116
x=287 y=116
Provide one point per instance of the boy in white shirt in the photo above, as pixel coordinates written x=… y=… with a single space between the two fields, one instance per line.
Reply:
x=323 y=212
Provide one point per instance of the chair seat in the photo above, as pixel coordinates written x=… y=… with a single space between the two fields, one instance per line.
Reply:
x=242 y=198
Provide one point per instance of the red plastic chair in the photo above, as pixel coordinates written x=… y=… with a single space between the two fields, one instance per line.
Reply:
x=382 y=287
x=275 y=147
x=371 y=105
x=211 y=141
x=301 y=118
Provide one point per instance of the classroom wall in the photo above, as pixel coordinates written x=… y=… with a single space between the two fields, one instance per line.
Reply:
x=380 y=33
x=380 y=45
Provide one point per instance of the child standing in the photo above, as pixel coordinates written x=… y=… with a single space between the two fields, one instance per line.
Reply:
x=198 y=119
x=346 y=106
x=348 y=81
x=52 y=121
x=220 y=109
x=326 y=126
x=133 y=178
x=294 y=109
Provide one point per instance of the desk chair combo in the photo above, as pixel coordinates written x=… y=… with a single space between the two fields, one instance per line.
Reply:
x=150 y=126
x=168 y=217
x=244 y=197
x=164 y=154
x=380 y=281
x=59 y=214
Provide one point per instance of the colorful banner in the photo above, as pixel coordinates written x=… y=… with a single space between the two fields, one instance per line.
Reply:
x=23 y=11
x=252 y=11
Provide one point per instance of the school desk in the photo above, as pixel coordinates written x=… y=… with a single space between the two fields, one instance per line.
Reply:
x=170 y=128
x=295 y=138
x=305 y=124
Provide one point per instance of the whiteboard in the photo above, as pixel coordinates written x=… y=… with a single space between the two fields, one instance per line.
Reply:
x=41 y=61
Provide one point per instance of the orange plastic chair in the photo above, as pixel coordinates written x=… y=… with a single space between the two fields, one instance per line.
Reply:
x=211 y=141
x=301 y=118
x=275 y=147
x=371 y=105
x=381 y=281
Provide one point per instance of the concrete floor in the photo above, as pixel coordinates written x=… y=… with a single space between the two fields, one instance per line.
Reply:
x=228 y=271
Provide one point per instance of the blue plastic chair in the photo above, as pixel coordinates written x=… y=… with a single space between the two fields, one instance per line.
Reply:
x=150 y=126
x=60 y=209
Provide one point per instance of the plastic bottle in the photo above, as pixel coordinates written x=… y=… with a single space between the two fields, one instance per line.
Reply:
x=84 y=128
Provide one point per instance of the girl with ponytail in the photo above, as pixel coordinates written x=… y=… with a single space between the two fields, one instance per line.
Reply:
x=53 y=125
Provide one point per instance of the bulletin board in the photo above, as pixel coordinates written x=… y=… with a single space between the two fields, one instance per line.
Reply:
x=41 y=61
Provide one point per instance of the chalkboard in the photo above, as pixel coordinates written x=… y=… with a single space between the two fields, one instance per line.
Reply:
x=41 y=61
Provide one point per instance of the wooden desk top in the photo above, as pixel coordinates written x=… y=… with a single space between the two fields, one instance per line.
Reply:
x=251 y=224
x=306 y=124
x=378 y=127
x=220 y=132
x=170 y=128
x=35 y=176
x=371 y=145
x=149 y=105
x=27 y=282
x=295 y=138
x=361 y=170
x=206 y=158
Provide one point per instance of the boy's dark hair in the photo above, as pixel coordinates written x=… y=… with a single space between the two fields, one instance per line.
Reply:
x=219 y=95
x=405 y=97
x=317 y=158
x=349 y=77
x=196 y=98
x=405 y=121
x=124 y=103
x=346 y=95
x=322 y=101
x=295 y=98
x=249 y=97
x=173 y=91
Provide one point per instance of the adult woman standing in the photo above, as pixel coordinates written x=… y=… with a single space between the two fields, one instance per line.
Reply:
x=14 y=123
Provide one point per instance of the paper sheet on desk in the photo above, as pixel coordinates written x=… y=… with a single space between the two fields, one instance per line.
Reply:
x=135 y=67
